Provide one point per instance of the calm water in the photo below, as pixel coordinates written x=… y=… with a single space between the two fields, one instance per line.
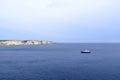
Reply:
x=60 y=62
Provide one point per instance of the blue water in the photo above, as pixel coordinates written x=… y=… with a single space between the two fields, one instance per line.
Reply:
x=60 y=62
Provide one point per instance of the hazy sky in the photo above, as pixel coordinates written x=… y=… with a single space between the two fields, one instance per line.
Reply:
x=60 y=20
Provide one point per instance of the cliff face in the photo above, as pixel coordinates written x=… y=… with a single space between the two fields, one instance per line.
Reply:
x=25 y=42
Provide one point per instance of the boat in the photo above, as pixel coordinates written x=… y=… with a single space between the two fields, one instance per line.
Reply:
x=85 y=51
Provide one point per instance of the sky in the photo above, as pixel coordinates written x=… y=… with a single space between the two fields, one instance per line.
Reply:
x=60 y=20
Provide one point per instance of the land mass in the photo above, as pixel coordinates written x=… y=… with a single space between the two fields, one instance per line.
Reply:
x=23 y=42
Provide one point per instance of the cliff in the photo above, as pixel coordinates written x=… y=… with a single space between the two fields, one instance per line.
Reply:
x=24 y=42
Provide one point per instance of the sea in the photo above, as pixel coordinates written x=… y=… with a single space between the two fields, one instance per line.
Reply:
x=63 y=61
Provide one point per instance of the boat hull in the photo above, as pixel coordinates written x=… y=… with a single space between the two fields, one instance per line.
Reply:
x=85 y=52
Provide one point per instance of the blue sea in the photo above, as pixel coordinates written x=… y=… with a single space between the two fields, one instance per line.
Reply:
x=60 y=62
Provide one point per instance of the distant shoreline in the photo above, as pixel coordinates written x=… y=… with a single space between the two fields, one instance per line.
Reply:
x=23 y=42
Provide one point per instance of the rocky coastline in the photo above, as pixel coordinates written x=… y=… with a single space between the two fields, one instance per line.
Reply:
x=24 y=42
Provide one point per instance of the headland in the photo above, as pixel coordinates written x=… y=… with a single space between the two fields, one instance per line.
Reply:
x=23 y=42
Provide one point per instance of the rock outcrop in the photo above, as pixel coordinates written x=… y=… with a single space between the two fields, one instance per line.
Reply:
x=24 y=42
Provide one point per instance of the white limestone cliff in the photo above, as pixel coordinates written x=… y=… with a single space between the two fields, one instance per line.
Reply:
x=24 y=42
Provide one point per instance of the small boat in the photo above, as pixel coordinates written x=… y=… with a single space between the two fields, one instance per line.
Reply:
x=85 y=51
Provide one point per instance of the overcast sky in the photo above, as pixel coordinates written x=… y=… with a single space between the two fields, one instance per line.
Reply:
x=60 y=20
